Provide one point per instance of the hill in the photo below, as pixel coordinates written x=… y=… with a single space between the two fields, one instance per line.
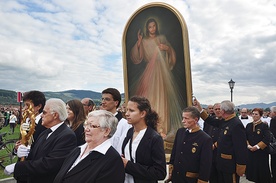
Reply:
x=73 y=94
x=259 y=105
x=8 y=97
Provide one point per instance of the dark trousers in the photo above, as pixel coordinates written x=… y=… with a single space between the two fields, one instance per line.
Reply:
x=228 y=178
x=214 y=174
x=7 y=121
x=12 y=126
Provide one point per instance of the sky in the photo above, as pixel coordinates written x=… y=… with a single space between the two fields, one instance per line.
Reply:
x=59 y=45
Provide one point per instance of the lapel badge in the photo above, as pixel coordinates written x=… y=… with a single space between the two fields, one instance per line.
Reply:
x=193 y=150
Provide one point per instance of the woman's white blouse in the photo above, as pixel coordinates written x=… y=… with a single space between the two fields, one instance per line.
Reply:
x=134 y=145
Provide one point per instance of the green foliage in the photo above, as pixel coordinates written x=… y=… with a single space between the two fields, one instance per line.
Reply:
x=8 y=97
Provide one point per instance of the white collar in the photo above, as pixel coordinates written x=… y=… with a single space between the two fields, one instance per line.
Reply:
x=102 y=148
x=37 y=118
x=53 y=128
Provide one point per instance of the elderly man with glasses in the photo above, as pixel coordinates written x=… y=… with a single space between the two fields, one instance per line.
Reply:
x=51 y=148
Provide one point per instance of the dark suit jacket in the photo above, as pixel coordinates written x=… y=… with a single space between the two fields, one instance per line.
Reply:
x=191 y=154
x=39 y=128
x=96 y=168
x=79 y=132
x=46 y=157
x=232 y=145
x=150 y=163
x=273 y=126
x=119 y=115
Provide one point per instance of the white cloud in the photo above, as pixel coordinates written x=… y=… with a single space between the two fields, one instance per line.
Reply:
x=60 y=45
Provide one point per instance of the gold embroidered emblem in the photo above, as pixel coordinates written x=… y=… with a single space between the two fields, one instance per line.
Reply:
x=193 y=150
x=195 y=144
x=225 y=132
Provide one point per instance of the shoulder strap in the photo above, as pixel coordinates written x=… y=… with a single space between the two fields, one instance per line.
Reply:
x=119 y=116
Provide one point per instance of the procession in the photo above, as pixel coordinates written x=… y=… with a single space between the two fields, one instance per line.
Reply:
x=156 y=111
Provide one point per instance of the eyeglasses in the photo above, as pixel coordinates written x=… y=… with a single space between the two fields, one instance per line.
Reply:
x=106 y=99
x=89 y=125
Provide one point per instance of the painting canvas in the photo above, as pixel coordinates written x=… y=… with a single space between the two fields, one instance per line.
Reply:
x=157 y=63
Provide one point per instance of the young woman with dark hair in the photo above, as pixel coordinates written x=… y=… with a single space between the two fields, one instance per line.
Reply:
x=76 y=118
x=143 y=150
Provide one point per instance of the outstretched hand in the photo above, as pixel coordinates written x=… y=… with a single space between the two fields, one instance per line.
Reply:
x=139 y=37
x=197 y=104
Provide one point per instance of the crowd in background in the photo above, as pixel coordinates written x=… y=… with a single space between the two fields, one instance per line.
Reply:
x=6 y=110
x=257 y=125
x=118 y=132
x=9 y=116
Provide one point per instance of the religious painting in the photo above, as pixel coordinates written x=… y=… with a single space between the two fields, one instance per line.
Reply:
x=156 y=63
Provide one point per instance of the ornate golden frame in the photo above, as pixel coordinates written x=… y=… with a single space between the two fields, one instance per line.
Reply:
x=185 y=41
x=185 y=53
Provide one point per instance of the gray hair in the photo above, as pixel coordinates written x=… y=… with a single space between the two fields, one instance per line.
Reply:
x=219 y=104
x=194 y=112
x=58 y=106
x=273 y=109
x=106 y=120
x=227 y=106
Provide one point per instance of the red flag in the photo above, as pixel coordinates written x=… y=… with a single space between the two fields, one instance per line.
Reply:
x=19 y=97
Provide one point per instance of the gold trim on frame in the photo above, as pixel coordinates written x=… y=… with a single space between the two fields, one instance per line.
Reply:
x=185 y=53
x=185 y=45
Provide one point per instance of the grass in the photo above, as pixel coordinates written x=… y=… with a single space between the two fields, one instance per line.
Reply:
x=6 y=138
